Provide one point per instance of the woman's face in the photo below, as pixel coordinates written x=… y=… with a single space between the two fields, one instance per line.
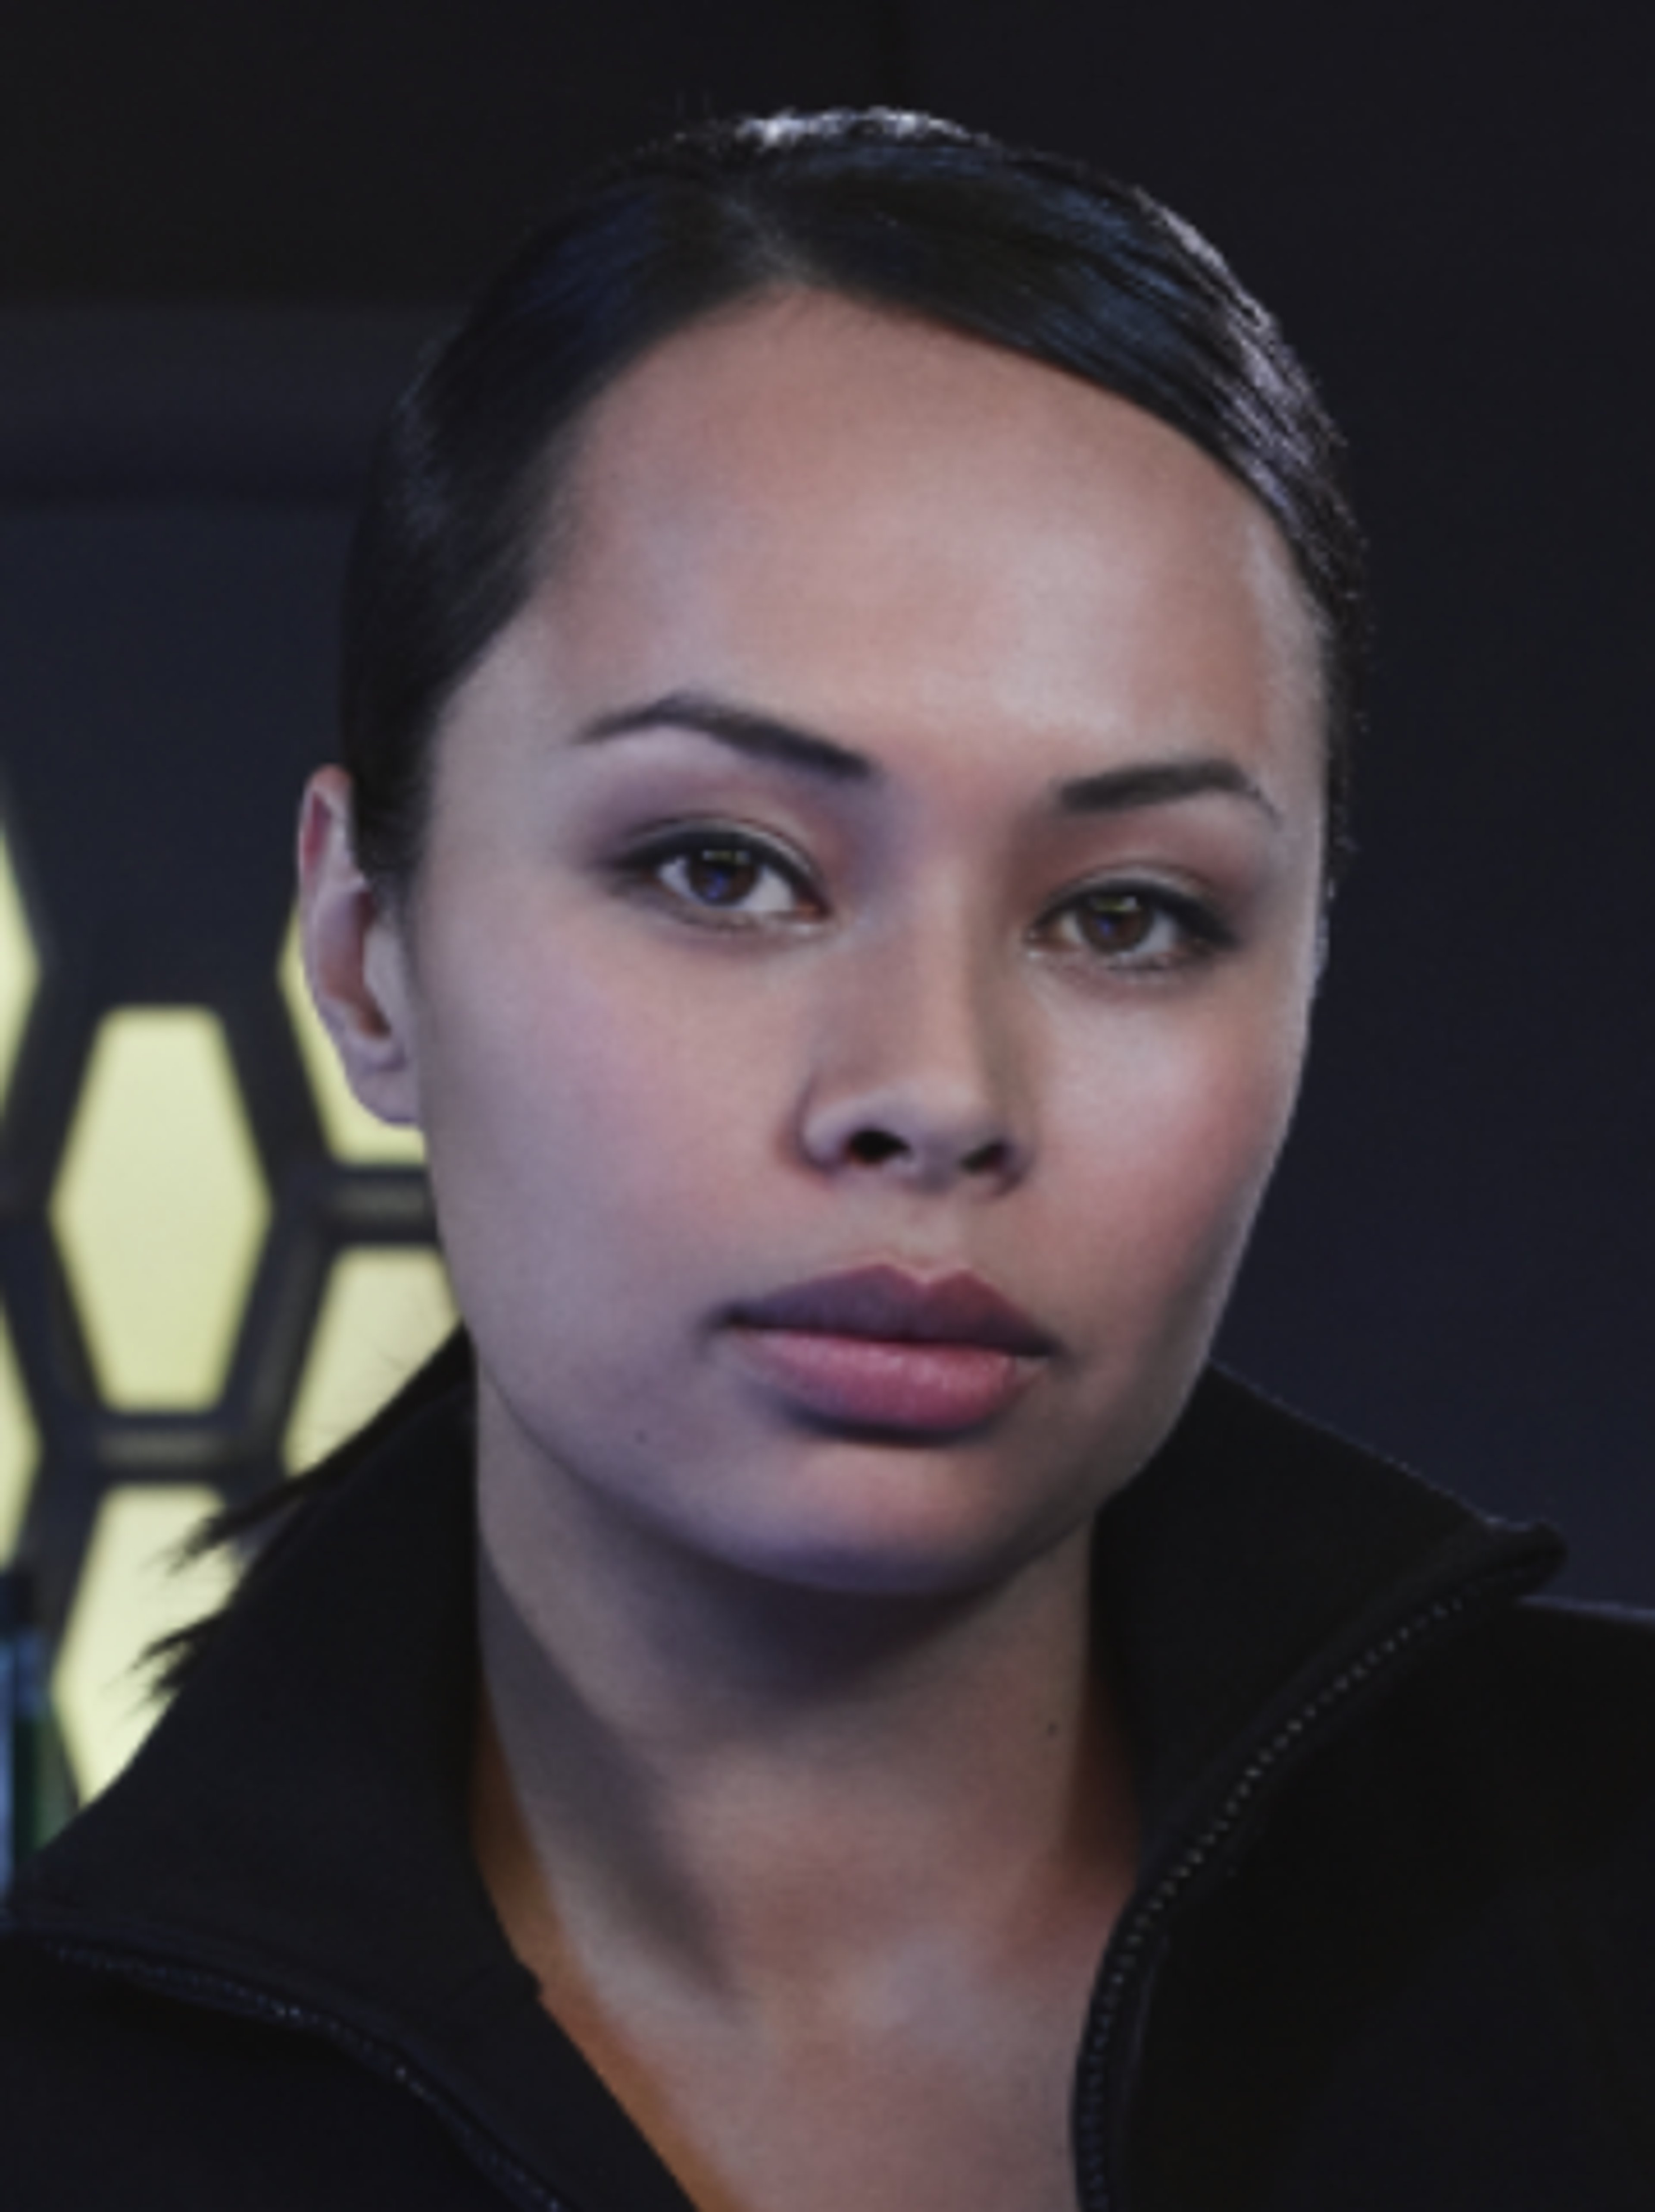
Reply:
x=858 y=981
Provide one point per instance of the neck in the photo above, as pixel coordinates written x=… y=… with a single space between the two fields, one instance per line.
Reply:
x=757 y=1784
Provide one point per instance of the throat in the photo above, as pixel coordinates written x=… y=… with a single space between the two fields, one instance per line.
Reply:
x=927 y=2069
x=831 y=1948
x=972 y=1787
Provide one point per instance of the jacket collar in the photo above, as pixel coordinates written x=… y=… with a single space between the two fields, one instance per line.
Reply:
x=297 y=1822
x=1256 y=1558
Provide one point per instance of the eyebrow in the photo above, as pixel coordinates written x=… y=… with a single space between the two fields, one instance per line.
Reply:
x=1138 y=785
x=1160 y=783
x=762 y=737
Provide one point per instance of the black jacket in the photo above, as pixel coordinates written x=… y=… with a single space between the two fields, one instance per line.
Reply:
x=1393 y=1944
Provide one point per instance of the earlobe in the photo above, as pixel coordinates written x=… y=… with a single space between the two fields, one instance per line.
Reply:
x=354 y=958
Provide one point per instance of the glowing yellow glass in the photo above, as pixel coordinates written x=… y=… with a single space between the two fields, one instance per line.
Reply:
x=352 y=1133
x=19 y=1446
x=131 y=1592
x=20 y=968
x=160 y=1207
x=384 y=1311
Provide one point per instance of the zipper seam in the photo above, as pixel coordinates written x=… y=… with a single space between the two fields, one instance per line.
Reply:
x=1139 y=1926
x=224 y=1993
x=1142 y=1923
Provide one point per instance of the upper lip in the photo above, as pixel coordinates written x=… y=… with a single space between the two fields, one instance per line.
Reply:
x=888 y=1303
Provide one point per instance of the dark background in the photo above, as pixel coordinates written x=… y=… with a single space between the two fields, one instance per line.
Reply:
x=225 y=229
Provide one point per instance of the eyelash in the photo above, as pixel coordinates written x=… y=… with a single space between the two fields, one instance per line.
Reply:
x=1199 y=930
x=644 y=869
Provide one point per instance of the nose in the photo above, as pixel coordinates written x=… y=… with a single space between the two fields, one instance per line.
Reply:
x=918 y=1078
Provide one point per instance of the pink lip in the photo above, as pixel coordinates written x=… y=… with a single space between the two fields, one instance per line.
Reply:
x=878 y=1348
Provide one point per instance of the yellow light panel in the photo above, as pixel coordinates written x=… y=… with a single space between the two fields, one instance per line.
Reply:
x=19 y=1446
x=20 y=968
x=160 y=1207
x=352 y=1133
x=385 y=1310
x=130 y=1594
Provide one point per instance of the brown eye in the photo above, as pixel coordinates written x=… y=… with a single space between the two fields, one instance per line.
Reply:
x=1115 y=922
x=1134 y=928
x=720 y=875
x=719 y=879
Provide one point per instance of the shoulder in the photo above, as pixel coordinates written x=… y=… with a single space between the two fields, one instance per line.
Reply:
x=1516 y=1768
x=1561 y=1642
x=1568 y=1684
x=1565 y=1696
x=115 y=2092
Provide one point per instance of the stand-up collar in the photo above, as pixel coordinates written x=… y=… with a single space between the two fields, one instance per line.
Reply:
x=298 y=1821
x=1254 y=1559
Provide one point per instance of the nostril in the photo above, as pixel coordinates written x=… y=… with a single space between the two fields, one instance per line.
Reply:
x=870 y=1148
x=992 y=1158
x=873 y=1147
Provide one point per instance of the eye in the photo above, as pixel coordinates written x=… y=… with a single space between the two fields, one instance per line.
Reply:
x=720 y=875
x=1137 y=927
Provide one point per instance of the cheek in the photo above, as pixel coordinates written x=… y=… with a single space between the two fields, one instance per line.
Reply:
x=578 y=1111
x=1175 y=1142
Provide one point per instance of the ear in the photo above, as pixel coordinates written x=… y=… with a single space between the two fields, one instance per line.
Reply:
x=355 y=958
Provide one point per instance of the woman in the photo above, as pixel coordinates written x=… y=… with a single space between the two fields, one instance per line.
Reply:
x=853 y=648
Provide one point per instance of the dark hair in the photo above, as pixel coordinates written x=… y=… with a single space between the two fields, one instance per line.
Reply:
x=1030 y=252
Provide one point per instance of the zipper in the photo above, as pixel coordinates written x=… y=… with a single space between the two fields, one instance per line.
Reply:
x=1125 y=1960
x=223 y=1993
x=1142 y=1923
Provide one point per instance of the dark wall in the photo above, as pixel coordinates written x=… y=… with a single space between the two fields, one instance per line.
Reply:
x=228 y=225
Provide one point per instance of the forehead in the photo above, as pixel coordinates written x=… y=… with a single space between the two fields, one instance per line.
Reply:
x=876 y=514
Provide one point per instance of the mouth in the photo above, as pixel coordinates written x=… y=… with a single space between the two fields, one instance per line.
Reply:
x=875 y=1349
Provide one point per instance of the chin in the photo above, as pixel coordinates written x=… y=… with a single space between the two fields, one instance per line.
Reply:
x=884 y=1523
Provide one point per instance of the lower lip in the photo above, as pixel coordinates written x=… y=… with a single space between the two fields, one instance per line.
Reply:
x=880 y=1382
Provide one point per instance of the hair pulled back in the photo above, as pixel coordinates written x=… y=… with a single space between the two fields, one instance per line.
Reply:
x=1030 y=252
